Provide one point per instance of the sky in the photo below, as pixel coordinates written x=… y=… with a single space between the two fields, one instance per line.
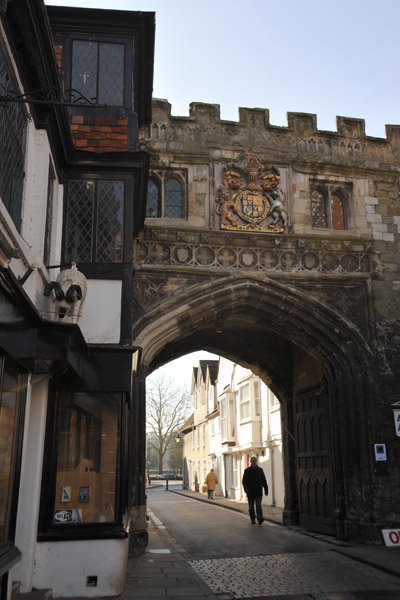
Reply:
x=324 y=57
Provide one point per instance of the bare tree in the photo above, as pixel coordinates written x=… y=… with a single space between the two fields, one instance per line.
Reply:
x=167 y=408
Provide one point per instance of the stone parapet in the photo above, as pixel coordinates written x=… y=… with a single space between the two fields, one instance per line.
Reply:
x=348 y=146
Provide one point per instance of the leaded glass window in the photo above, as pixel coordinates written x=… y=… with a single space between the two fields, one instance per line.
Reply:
x=94 y=223
x=153 y=205
x=110 y=213
x=173 y=198
x=12 y=147
x=330 y=205
x=318 y=209
x=98 y=71
x=79 y=224
x=166 y=195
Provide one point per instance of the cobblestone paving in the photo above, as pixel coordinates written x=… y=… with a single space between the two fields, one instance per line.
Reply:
x=284 y=574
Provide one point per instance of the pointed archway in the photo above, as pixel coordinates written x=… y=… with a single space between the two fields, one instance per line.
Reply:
x=316 y=362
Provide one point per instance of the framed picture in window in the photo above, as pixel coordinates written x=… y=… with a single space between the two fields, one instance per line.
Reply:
x=66 y=493
x=84 y=494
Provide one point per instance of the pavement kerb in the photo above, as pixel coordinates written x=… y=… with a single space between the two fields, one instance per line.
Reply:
x=230 y=504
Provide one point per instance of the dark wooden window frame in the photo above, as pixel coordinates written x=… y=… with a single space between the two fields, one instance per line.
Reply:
x=128 y=95
x=106 y=270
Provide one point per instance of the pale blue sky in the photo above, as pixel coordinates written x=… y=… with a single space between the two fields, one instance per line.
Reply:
x=325 y=57
x=317 y=56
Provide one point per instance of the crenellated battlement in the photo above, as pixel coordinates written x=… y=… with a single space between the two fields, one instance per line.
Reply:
x=302 y=124
x=301 y=140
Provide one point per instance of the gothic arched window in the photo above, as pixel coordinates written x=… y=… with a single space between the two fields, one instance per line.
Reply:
x=330 y=206
x=166 y=195
x=173 y=198
x=153 y=205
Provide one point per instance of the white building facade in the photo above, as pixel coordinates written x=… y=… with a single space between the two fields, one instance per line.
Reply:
x=245 y=421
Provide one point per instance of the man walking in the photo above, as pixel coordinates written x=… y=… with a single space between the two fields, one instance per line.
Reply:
x=253 y=483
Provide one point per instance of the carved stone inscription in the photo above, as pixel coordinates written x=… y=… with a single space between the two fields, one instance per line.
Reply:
x=251 y=197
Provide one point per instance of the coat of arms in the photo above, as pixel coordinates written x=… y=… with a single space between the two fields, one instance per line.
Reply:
x=251 y=198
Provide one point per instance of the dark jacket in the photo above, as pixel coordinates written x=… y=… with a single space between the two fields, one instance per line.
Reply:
x=254 y=481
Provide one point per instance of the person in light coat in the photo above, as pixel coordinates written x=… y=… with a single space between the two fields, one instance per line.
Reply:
x=211 y=481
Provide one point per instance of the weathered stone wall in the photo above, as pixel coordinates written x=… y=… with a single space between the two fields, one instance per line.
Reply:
x=355 y=270
x=202 y=142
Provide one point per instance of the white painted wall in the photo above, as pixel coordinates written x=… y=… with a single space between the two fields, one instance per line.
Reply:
x=65 y=566
x=101 y=315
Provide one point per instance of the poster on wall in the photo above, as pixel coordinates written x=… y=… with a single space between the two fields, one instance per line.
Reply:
x=68 y=516
x=66 y=493
x=84 y=494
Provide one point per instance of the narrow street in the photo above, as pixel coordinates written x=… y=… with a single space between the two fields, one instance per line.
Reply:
x=238 y=560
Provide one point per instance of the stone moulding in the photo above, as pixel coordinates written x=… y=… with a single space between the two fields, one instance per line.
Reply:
x=282 y=259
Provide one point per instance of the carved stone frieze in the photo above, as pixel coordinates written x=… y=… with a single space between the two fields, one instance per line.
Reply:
x=298 y=257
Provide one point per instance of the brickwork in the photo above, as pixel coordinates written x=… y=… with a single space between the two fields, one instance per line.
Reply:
x=100 y=133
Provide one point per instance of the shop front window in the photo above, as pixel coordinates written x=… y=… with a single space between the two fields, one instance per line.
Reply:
x=88 y=443
x=11 y=397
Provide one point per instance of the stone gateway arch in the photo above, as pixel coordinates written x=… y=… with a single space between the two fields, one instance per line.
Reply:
x=278 y=248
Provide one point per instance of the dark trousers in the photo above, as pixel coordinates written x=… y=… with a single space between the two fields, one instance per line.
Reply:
x=252 y=513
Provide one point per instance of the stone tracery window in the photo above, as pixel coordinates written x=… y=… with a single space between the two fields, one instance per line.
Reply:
x=330 y=206
x=166 y=194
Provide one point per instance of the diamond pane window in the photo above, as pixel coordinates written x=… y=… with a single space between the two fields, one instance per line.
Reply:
x=94 y=223
x=173 y=199
x=79 y=224
x=153 y=205
x=110 y=213
x=318 y=209
x=111 y=74
x=12 y=148
x=98 y=71
x=84 y=68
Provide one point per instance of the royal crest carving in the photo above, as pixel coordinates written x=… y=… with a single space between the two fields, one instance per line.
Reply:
x=251 y=198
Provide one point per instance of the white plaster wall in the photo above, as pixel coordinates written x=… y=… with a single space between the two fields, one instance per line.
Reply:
x=64 y=567
x=31 y=477
x=101 y=316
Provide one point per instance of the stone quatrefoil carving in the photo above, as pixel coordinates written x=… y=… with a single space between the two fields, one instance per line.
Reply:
x=154 y=252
